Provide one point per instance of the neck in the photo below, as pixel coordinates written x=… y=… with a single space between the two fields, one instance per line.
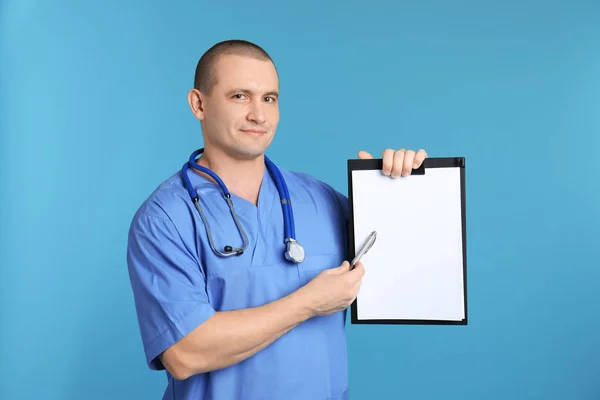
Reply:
x=242 y=177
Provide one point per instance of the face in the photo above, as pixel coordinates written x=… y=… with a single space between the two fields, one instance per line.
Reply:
x=241 y=114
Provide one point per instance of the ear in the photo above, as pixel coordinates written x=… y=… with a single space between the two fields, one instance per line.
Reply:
x=196 y=102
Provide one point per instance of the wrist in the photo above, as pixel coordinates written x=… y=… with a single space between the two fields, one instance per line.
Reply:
x=302 y=304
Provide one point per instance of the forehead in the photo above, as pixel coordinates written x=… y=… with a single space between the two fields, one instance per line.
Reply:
x=246 y=73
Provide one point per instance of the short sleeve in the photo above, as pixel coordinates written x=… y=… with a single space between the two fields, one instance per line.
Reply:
x=169 y=287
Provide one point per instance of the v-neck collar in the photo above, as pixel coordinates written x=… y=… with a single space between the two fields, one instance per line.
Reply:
x=266 y=194
x=258 y=217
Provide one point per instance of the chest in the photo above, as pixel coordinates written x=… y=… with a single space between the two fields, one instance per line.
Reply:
x=262 y=274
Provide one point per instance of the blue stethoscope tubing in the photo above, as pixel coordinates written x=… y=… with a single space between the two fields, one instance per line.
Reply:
x=294 y=251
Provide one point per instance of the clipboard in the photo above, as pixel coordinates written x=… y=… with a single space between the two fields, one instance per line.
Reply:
x=416 y=272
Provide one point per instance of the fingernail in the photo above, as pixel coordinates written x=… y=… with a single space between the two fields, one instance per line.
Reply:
x=415 y=166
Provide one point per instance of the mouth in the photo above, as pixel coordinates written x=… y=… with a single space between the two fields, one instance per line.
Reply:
x=254 y=132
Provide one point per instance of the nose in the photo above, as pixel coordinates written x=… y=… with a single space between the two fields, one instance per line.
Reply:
x=256 y=113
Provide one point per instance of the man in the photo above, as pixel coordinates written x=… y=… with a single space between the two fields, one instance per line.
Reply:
x=252 y=325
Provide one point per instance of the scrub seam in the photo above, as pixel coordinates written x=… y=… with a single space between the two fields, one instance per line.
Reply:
x=261 y=231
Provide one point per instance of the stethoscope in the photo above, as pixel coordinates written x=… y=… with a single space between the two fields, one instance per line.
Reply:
x=294 y=250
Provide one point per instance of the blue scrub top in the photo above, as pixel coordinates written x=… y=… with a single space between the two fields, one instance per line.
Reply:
x=179 y=282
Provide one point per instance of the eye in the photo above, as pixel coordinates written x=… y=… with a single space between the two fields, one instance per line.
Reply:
x=270 y=99
x=238 y=96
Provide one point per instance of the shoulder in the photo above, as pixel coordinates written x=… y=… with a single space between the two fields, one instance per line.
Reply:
x=165 y=203
x=161 y=229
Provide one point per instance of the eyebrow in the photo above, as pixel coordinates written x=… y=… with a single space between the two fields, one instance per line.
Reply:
x=238 y=90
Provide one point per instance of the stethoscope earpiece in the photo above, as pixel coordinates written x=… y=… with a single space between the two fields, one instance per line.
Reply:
x=294 y=250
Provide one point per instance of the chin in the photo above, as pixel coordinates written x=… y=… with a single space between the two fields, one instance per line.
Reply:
x=248 y=152
x=250 y=149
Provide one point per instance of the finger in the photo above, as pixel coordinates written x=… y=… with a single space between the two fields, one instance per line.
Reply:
x=398 y=162
x=409 y=158
x=388 y=161
x=419 y=158
x=358 y=271
x=363 y=155
x=357 y=286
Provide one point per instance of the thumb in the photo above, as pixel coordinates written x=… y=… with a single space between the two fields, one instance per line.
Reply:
x=364 y=155
x=345 y=267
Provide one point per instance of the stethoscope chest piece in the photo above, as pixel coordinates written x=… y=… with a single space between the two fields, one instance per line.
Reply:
x=295 y=251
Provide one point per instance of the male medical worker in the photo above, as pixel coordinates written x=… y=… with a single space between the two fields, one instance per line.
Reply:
x=238 y=266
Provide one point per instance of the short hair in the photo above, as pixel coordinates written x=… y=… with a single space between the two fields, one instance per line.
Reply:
x=205 y=77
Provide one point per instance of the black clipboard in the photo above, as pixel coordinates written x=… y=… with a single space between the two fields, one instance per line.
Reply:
x=431 y=166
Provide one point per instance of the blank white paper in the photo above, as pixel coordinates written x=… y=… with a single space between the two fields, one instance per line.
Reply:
x=414 y=271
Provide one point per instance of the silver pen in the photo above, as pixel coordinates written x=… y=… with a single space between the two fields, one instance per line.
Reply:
x=366 y=247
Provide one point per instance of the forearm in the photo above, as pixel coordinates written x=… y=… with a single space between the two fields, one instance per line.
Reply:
x=229 y=337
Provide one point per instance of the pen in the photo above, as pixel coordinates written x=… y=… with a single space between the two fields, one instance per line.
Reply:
x=366 y=247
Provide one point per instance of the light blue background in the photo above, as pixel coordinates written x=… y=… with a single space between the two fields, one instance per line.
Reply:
x=94 y=115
